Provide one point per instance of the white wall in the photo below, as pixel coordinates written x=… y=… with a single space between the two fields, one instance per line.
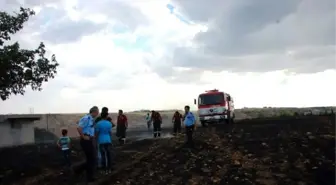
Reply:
x=18 y=135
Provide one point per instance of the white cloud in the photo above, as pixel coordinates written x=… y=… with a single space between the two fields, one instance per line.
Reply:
x=96 y=70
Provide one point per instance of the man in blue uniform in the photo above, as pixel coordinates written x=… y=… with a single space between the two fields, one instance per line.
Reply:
x=86 y=132
x=190 y=125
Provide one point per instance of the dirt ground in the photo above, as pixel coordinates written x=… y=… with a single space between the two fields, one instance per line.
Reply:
x=263 y=151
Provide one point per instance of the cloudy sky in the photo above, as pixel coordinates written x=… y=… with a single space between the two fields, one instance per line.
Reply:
x=159 y=54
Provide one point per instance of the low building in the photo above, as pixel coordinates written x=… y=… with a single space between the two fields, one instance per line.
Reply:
x=17 y=129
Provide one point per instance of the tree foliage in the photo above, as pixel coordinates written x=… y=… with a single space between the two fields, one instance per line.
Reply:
x=20 y=68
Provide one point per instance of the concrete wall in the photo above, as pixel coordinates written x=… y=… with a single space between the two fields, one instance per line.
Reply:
x=50 y=125
x=18 y=133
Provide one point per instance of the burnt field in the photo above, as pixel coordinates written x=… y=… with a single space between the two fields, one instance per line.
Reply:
x=260 y=151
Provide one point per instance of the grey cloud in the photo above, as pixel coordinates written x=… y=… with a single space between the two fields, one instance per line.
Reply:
x=121 y=12
x=254 y=36
x=44 y=18
x=62 y=29
x=9 y=5
x=231 y=26
x=56 y=27
x=303 y=60
x=67 y=30
x=192 y=76
x=14 y=5
x=31 y=3
x=165 y=70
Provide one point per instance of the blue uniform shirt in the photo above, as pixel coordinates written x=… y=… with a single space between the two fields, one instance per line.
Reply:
x=103 y=128
x=87 y=124
x=189 y=119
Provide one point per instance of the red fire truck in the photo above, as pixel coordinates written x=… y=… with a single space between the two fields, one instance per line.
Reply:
x=215 y=107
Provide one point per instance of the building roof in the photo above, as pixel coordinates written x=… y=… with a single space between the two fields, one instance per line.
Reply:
x=13 y=117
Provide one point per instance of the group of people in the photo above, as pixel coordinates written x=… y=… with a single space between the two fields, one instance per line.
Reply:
x=96 y=140
x=156 y=119
x=189 y=122
x=96 y=136
x=188 y=119
x=91 y=126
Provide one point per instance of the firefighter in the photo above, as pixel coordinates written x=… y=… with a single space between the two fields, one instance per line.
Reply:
x=177 y=121
x=122 y=125
x=157 y=120
x=190 y=125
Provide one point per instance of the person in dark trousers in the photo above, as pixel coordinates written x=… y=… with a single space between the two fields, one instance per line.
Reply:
x=104 y=112
x=64 y=143
x=177 y=121
x=190 y=125
x=157 y=121
x=104 y=137
x=122 y=126
x=86 y=132
x=99 y=156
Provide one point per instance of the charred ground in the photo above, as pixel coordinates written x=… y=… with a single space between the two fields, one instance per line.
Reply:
x=289 y=150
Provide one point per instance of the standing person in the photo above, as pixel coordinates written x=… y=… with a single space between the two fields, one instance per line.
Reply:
x=177 y=121
x=148 y=120
x=104 y=138
x=103 y=111
x=190 y=125
x=157 y=120
x=99 y=156
x=122 y=126
x=86 y=132
x=64 y=143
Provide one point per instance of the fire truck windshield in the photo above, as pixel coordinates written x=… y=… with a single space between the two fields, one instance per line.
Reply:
x=210 y=99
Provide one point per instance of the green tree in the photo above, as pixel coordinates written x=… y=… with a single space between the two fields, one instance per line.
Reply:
x=20 y=68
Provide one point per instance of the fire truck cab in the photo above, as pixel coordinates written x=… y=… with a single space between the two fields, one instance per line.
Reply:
x=215 y=107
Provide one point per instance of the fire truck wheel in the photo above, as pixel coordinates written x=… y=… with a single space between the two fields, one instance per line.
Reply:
x=204 y=124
